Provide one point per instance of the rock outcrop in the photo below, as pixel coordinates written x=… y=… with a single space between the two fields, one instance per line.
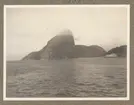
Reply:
x=62 y=46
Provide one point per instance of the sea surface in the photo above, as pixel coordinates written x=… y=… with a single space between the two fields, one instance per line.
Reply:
x=81 y=77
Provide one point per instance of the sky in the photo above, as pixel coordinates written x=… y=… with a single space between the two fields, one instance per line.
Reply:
x=29 y=29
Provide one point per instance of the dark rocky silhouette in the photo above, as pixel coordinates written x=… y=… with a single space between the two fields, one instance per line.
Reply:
x=32 y=56
x=119 y=51
x=88 y=51
x=62 y=46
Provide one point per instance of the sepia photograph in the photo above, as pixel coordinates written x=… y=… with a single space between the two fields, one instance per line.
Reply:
x=66 y=52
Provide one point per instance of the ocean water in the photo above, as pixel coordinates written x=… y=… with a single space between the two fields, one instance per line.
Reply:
x=81 y=77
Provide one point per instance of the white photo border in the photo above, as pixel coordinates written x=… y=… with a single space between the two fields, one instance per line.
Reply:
x=70 y=98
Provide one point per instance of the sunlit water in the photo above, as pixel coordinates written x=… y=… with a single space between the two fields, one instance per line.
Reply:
x=83 y=77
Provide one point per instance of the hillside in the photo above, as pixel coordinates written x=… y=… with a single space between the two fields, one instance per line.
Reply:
x=119 y=51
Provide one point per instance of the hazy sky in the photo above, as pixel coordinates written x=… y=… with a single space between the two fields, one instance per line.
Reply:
x=29 y=29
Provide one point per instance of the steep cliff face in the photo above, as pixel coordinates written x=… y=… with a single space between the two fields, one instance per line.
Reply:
x=62 y=46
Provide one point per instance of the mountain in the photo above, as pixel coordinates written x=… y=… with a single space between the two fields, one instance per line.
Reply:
x=119 y=51
x=62 y=46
